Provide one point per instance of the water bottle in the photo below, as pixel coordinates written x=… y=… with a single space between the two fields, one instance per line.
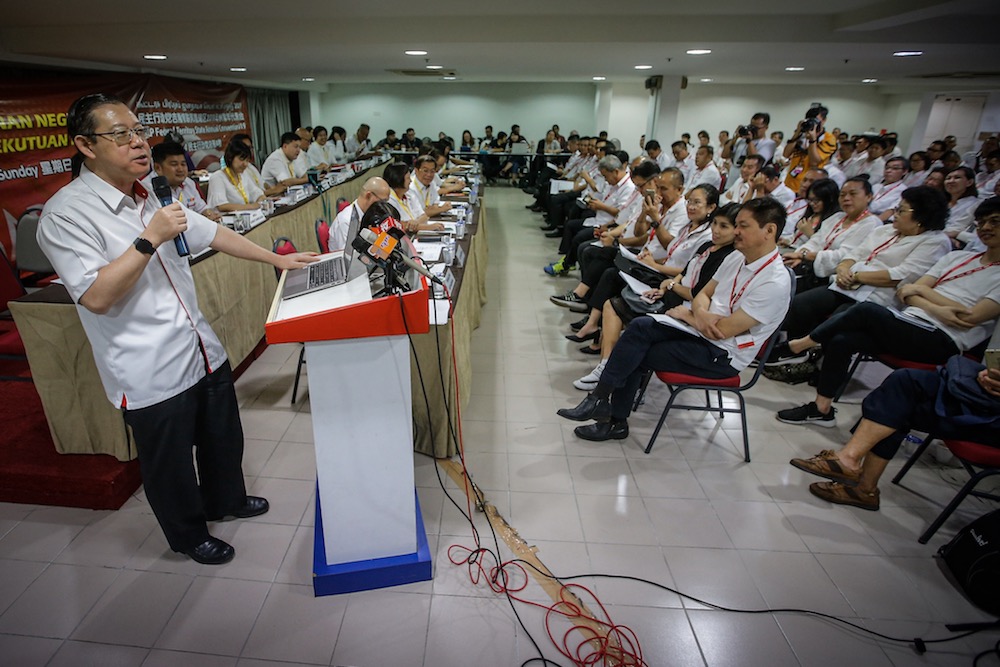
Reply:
x=448 y=252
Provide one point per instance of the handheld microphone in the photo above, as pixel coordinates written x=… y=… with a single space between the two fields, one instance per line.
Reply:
x=162 y=191
x=395 y=253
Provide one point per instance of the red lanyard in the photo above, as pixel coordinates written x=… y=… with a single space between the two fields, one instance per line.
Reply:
x=735 y=296
x=876 y=251
x=839 y=229
x=686 y=232
x=946 y=277
x=888 y=189
x=699 y=263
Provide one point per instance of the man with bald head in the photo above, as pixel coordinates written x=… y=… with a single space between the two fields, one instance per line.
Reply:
x=302 y=162
x=375 y=189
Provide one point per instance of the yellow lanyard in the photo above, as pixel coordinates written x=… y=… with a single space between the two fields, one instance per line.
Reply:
x=291 y=172
x=403 y=204
x=238 y=184
x=426 y=192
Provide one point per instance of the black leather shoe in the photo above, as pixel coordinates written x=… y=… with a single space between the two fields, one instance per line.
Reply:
x=589 y=408
x=601 y=431
x=576 y=326
x=254 y=506
x=554 y=234
x=212 y=551
x=583 y=339
x=587 y=349
x=547 y=228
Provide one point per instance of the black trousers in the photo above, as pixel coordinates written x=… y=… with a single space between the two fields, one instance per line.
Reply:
x=594 y=261
x=871 y=329
x=905 y=401
x=205 y=419
x=811 y=307
x=575 y=236
x=559 y=207
x=648 y=345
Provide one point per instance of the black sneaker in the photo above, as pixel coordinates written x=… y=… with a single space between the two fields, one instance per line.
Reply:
x=782 y=355
x=571 y=301
x=808 y=414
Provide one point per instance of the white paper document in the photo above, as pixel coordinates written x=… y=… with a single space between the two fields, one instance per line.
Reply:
x=429 y=252
x=860 y=294
x=675 y=323
x=912 y=319
x=636 y=286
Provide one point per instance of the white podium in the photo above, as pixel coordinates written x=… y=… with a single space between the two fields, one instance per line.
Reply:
x=369 y=532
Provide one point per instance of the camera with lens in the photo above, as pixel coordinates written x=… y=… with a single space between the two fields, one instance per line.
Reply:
x=745 y=131
x=809 y=124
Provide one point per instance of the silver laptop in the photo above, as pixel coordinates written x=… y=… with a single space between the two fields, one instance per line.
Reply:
x=327 y=272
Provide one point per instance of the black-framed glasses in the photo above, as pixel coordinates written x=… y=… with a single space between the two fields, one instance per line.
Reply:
x=124 y=136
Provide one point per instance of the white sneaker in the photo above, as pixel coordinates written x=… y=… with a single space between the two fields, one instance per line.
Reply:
x=589 y=381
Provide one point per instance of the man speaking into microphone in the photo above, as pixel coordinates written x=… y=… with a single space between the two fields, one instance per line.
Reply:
x=116 y=249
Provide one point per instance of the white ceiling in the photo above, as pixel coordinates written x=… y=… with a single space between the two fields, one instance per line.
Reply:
x=837 y=41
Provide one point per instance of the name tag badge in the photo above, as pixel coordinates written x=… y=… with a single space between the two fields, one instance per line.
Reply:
x=744 y=341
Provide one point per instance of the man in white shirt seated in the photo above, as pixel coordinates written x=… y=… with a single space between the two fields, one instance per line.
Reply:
x=874 y=164
x=889 y=192
x=280 y=167
x=727 y=325
x=655 y=153
x=767 y=183
x=795 y=209
x=375 y=189
x=749 y=140
x=683 y=159
x=704 y=170
x=853 y=165
x=739 y=192
x=410 y=210
x=302 y=162
x=169 y=162
x=987 y=180
x=359 y=146
x=423 y=187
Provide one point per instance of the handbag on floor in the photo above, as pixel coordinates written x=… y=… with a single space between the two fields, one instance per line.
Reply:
x=973 y=558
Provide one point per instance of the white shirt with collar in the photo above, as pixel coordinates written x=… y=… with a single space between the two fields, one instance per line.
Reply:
x=736 y=193
x=427 y=195
x=986 y=183
x=221 y=189
x=875 y=170
x=961 y=218
x=616 y=195
x=277 y=168
x=887 y=197
x=854 y=165
x=320 y=154
x=686 y=166
x=832 y=241
x=187 y=193
x=409 y=206
x=301 y=164
x=338 y=230
x=674 y=220
x=354 y=147
x=762 y=290
x=784 y=194
x=154 y=342
x=794 y=210
x=665 y=160
x=906 y=258
x=710 y=175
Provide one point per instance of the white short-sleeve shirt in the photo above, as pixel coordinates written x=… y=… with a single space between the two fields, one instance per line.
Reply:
x=222 y=191
x=338 y=230
x=277 y=168
x=154 y=343
x=833 y=241
x=906 y=258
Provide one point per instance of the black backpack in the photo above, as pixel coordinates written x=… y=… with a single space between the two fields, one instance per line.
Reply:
x=973 y=558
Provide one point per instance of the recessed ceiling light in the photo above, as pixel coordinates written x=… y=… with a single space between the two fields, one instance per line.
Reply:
x=435 y=67
x=795 y=69
x=153 y=56
x=449 y=78
x=904 y=54
x=308 y=78
x=869 y=80
x=415 y=52
x=706 y=80
x=644 y=67
x=698 y=52
x=599 y=78
x=237 y=69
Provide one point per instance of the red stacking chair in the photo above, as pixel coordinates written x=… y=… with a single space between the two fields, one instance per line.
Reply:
x=323 y=235
x=981 y=461
x=284 y=246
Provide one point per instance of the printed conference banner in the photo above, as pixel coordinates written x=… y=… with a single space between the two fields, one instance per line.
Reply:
x=35 y=150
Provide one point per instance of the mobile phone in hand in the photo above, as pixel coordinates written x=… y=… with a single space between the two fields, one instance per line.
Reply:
x=992 y=359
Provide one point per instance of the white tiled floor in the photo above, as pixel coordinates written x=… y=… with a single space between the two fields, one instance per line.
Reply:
x=101 y=588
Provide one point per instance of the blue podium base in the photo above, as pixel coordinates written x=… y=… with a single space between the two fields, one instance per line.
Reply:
x=363 y=575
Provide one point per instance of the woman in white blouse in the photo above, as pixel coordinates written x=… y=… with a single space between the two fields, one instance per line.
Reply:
x=233 y=188
x=321 y=150
x=338 y=150
x=960 y=185
x=950 y=310
x=920 y=167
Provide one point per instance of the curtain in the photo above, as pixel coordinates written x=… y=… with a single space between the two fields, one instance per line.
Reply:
x=270 y=117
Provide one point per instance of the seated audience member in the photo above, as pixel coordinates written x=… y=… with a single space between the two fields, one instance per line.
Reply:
x=891 y=188
x=907 y=400
x=960 y=186
x=874 y=163
x=891 y=256
x=935 y=178
x=488 y=142
x=704 y=170
x=305 y=143
x=279 y=167
x=920 y=167
x=844 y=154
x=733 y=316
x=321 y=151
x=949 y=311
x=566 y=205
x=935 y=150
x=988 y=179
x=515 y=164
x=951 y=160
x=232 y=188
x=683 y=159
x=338 y=136
x=424 y=190
x=852 y=166
x=767 y=183
x=389 y=143
x=796 y=208
x=251 y=168
x=359 y=146
x=374 y=190
x=747 y=140
x=704 y=139
x=410 y=141
x=977 y=159
x=169 y=162
x=619 y=311
x=822 y=201
x=618 y=194
x=811 y=148
x=447 y=165
x=739 y=190
x=653 y=150
x=892 y=146
x=409 y=210
x=469 y=144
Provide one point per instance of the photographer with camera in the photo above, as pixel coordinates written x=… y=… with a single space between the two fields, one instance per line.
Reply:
x=748 y=140
x=809 y=147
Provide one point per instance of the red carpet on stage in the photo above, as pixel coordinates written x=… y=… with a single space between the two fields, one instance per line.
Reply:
x=31 y=471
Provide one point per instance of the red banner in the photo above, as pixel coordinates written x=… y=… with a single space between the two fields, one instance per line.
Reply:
x=35 y=150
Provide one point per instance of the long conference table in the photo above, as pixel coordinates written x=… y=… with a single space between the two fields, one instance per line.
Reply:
x=235 y=296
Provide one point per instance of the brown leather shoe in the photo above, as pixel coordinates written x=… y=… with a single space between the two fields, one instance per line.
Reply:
x=826 y=464
x=835 y=492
